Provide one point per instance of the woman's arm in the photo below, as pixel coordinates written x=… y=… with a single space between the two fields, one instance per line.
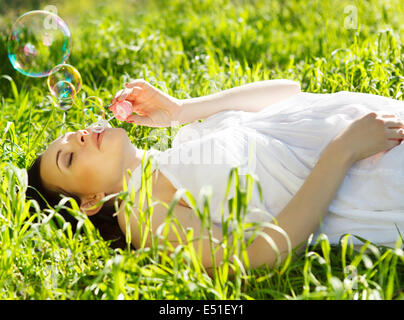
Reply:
x=251 y=97
x=303 y=214
x=155 y=108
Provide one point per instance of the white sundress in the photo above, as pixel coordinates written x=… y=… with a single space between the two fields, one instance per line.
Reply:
x=283 y=142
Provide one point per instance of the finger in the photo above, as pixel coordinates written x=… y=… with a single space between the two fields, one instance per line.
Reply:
x=391 y=144
x=394 y=124
x=137 y=82
x=138 y=111
x=136 y=107
x=388 y=115
x=116 y=96
x=134 y=93
x=123 y=95
x=143 y=121
x=120 y=95
x=395 y=134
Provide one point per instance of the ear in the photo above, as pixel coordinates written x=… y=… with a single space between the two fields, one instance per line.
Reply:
x=88 y=203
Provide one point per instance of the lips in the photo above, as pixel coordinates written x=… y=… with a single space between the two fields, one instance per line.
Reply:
x=95 y=138
x=100 y=136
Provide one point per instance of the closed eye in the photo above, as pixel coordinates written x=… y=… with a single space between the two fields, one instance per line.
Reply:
x=71 y=159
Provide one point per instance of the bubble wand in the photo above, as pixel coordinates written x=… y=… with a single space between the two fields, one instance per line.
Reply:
x=121 y=109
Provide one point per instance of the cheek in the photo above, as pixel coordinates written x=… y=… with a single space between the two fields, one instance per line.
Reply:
x=102 y=167
x=89 y=172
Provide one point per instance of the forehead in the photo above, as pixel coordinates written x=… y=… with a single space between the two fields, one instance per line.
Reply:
x=49 y=159
x=54 y=146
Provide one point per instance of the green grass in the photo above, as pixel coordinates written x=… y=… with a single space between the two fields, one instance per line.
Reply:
x=188 y=49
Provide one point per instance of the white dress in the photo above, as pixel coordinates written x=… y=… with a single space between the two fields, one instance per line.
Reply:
x=285 y=141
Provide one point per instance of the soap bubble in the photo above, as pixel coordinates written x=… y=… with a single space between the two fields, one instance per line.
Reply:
x=65 y=103
x=93 y=105
x=38 y=41
x=66 y=73
x=64 y=90
x=64 y=93
x=100 y=125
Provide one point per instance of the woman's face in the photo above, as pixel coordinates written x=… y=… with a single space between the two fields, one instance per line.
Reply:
x=85 y=163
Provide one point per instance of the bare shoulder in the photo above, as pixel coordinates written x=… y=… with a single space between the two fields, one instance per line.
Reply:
x=142 y=232
x=164 y=189
x=162 y=192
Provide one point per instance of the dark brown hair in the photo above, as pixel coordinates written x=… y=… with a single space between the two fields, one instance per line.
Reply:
x=104 y=221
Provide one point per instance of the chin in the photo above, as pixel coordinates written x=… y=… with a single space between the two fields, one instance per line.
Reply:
x=116 y=133
x=122 y=133
x=114 y=139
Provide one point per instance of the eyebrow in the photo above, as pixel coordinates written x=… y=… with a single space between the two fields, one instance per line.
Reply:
x=58 y=153
x=57 y=159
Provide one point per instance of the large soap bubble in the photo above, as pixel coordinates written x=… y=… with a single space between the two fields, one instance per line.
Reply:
x=38 y=41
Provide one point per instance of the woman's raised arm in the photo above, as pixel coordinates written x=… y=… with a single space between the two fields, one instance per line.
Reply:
x=155 y=108
x=251 y=97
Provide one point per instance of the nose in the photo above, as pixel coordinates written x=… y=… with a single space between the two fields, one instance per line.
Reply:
x=81 y=136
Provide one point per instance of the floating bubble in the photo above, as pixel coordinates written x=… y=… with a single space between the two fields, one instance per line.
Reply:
x=38 y=41
x=64 y=93
x=93 y=104
x=66 y=73
x=64 y=90
x=65 y=103
x=100 y=125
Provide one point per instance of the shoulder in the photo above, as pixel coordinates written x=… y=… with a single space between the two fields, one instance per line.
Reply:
x=162 y=193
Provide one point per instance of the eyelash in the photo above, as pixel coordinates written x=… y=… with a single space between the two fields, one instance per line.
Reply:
x=71 y=159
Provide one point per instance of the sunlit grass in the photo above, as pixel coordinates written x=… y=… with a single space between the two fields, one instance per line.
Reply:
x=189 y=49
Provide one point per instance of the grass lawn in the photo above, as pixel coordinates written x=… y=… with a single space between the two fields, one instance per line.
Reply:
x=188 y=48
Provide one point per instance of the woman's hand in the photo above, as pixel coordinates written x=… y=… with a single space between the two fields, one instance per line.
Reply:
x=371 y=134
x=153 y=107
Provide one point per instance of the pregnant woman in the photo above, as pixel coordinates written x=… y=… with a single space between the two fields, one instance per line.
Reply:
x=326 y=163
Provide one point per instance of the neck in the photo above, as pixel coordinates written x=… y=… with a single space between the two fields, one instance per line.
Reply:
x=134 y=160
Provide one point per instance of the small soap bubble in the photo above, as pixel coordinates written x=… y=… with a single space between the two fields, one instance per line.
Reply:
x=35 y=46
x=93 y=104
x=100 y=125
x=64 y=95
x=65 y=102
x=64 y=90
x=67 y=73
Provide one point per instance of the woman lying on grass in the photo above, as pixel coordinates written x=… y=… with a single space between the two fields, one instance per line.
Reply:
x=326 y=163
